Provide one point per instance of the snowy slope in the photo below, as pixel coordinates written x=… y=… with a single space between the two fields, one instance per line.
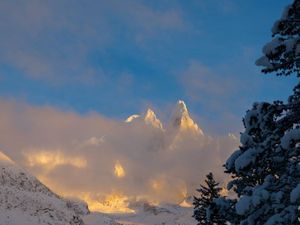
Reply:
x=158 y=215
x=96 y=218
x=150 y=215
x=26 y=201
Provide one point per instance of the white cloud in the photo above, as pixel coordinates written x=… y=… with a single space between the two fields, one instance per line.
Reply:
x=201 y=82
x=218 y=91
x=46 y=42
x=67 y=152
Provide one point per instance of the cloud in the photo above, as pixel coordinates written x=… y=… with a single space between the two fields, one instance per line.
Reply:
x=44 y=41
x=201 y=81
x=50 y=159
x=219 y=92
x=99 y=159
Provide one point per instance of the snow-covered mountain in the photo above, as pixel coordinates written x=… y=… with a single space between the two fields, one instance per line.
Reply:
x=182 y=121
x=24 y=200
x=168 y=214
x=149 y=118
x=180 y=127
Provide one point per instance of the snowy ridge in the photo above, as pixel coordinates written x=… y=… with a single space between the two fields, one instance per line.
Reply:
x=149 y=119
x=26 y=201
x=182 y=121
x=180 y=127
x=132 y=118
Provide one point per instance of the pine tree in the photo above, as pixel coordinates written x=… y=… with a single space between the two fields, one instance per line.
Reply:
x=266 y=167
x=282 y=54
x=205 y=209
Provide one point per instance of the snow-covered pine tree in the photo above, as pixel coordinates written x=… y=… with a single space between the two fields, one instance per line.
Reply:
x=282 y=54
x=266 y=167
x=205 y=209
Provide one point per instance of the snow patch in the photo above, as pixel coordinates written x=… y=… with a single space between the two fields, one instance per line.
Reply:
x=243 y=205
x=132 y=118
x=295 y=194
x=245 y=159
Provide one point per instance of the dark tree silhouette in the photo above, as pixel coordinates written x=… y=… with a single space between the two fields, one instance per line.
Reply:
x=282 y=54
x=206 y=210
x=265 y=169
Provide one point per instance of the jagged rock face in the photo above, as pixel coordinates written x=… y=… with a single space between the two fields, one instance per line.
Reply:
x=24 y=200
x=149 y=119
x=180 y=127
x=182 y=121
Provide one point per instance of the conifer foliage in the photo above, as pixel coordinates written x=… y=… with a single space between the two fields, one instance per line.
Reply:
x=265 y=170
x=266 y=167
x=282 y=54
x=205 y=209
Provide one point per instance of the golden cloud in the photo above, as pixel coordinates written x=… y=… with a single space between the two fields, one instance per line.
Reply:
x=69 y=153
x=49 y=159
x=119 y=170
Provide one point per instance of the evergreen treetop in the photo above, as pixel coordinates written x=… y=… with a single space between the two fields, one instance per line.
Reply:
x=282 y=54
x=205 y=208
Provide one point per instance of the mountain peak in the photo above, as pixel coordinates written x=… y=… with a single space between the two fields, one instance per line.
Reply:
x=181 y=119
x=151 y=119
x=150 y=113
x=132 y=118
x=182 y=106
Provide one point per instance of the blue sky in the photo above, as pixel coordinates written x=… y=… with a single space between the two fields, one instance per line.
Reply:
x=119 y=57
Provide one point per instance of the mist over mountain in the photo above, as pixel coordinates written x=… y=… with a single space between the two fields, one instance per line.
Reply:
x=149 y=118
x=25 y=200
x=111 y=164
x=180 y=120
